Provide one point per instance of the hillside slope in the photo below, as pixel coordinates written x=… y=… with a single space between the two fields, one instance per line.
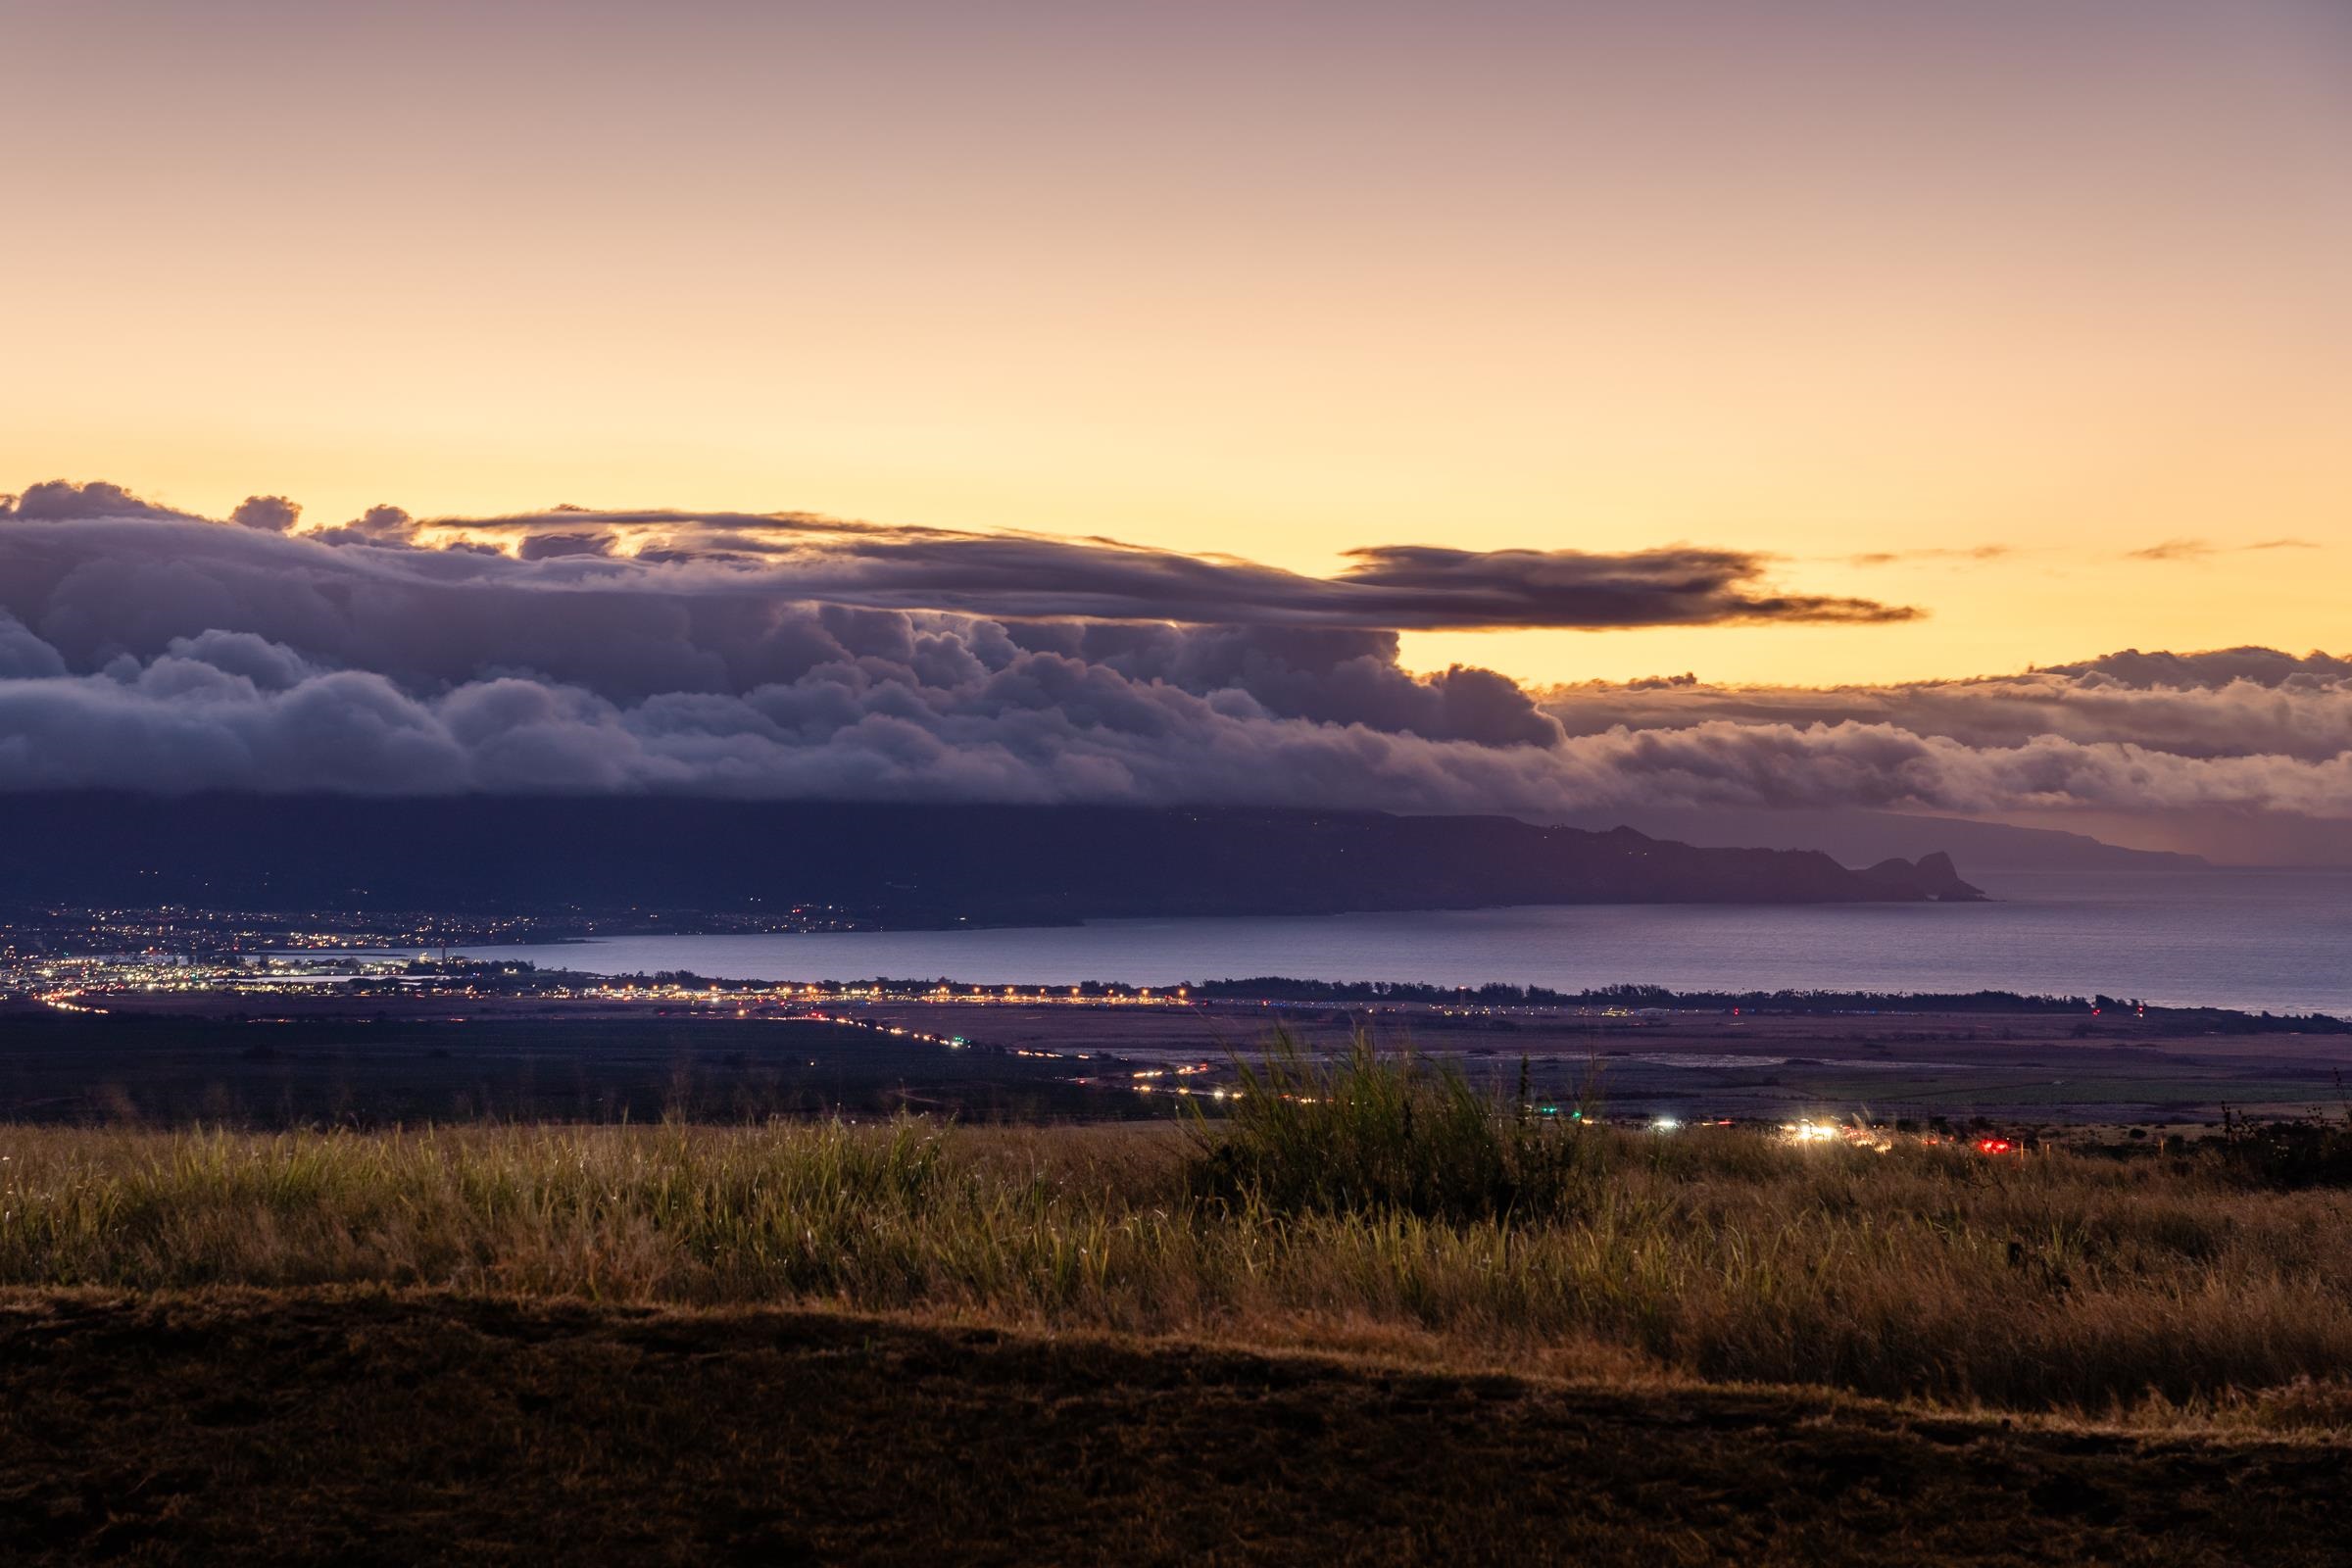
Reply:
x=909 y=865
x=424 y=1429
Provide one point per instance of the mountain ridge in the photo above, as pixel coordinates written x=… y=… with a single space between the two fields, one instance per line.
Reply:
x=904 y=865
x=1857 y=837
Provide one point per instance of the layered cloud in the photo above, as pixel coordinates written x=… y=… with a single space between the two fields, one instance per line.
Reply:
x=2230 y=702
x=794 y=657
x=795 y=556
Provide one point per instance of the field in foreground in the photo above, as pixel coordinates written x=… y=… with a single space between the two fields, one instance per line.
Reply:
x=1377 y=1216
x=1372 y=1313
x=404 y=1428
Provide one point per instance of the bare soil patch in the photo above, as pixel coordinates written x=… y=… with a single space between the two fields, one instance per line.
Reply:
x=397 y=1428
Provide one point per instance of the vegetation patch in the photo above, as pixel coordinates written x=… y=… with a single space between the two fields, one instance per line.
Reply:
x=1375 y=1135
x=1370 y=1204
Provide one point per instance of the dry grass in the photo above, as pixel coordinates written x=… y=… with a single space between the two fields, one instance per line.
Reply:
x=2119 y=1291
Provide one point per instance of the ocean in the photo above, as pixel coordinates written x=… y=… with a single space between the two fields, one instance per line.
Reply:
x=2275 y=940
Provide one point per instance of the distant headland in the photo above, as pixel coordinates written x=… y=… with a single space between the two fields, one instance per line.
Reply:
x=886 y=864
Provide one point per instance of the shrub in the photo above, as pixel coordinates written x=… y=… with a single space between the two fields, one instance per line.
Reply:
x=1387 y=1133
x=2287 y=1155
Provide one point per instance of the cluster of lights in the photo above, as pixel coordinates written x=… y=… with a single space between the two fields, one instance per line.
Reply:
x=69 y=984
x=1855 y=1135
x=1141 y=1087
x=951 y=1042
x=61 y=1001
x=1880 y=1140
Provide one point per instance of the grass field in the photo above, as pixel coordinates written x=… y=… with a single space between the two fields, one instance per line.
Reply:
x=2119 y=1327
x=2142 y=1290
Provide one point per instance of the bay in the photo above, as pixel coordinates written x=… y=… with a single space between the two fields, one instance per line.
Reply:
x=2275 y=940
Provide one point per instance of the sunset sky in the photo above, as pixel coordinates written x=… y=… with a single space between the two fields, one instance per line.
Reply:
x=2046 y=299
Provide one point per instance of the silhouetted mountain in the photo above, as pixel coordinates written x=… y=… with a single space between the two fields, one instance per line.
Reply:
x=1859 y=838
x=899 y=863
x=1933 y=875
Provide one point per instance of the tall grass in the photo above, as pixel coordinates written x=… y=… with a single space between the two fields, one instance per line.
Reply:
x=2052 y=1283
x=1369 y=1134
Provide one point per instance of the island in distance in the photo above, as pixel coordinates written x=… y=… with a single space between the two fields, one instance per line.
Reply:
x=908 y=865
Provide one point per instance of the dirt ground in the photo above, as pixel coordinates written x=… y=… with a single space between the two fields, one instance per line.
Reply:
x=422 y=1429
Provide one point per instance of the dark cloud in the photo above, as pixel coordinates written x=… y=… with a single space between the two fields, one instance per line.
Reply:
x=2266 y=667
x=139 y=603
x=548 y=546
x=269 y=514
x=1336 y=677
x=1421 y=585
x=789 y=555
x=628 y=604
x=385 y=525
x=2239 y=701
x=897 y=708
x=59 y=500
x=787 y=656
x=1028 y=577
x=22 y=655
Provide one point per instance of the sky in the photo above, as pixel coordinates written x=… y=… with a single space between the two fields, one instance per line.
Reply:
x=2029 y=318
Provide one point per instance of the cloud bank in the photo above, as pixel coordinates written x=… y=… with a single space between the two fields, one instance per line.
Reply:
x=785 y=556
x=787 y=656
x=2240 y=701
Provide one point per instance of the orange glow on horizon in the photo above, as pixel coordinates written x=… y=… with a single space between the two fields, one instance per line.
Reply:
x=1843 y=283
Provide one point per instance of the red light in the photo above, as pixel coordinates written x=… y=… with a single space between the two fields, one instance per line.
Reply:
x=1994 y=1146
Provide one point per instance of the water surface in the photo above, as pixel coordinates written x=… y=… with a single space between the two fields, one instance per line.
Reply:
x=2275 y=940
